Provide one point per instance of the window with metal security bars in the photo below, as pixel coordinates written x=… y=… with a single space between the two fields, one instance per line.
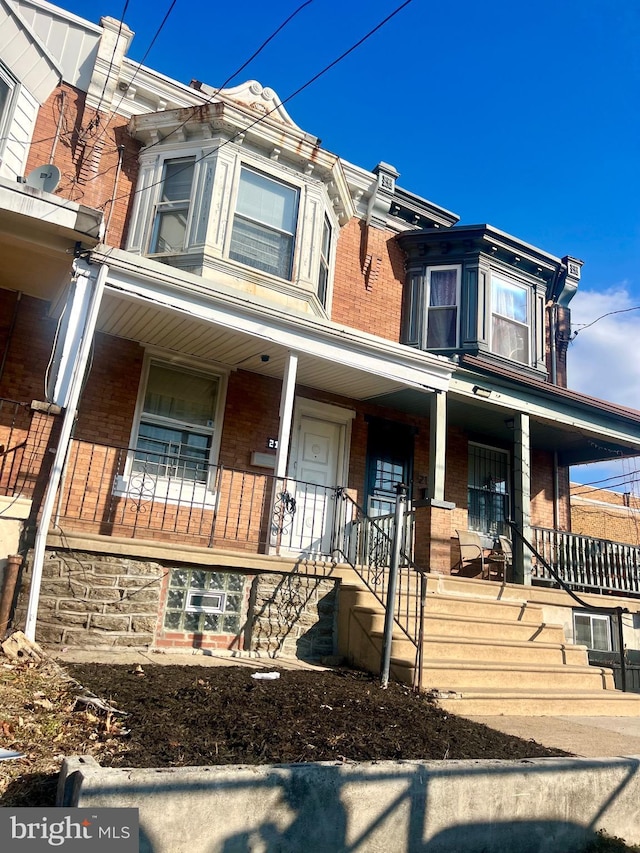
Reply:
x=200 y=602
x=592 y=630
x=264 y=224
x=177 y=424
x=488 y=490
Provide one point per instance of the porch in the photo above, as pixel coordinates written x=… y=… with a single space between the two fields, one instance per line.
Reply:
x=128 y=493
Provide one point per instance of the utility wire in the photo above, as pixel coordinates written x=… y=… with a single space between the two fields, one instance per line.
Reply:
x=113 y=56
x=584 y=326
x=286 y=100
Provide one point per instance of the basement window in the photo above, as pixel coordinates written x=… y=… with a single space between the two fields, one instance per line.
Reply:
x=200 y=601
x=592 y=630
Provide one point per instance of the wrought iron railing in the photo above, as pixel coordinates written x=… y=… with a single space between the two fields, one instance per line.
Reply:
x=586 y=563
x=366 y=544
x=119 y=492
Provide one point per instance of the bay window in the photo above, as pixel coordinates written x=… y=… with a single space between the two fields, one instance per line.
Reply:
x=169 y=230
x=443 y=289
x=323 y=273
x=509 y=319
x=264 y=224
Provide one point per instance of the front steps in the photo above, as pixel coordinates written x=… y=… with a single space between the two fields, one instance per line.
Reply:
x=485 y=652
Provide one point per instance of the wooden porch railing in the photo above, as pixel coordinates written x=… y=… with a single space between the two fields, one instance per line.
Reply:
x=586 y=563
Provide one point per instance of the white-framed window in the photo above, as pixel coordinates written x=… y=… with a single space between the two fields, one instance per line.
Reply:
x=432 y=306
x=264 y=223
x=488 y=492
x=510 y=319
x=592 y=630
x=8 y=85
x=325 y=260
x=171 y=214
x=176 y=434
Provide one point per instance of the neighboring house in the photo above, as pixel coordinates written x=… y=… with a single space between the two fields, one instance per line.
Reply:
x=604 y=514
x=262 y=341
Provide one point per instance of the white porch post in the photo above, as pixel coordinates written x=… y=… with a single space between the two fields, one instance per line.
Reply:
x=286 y=414
x=522 y=502
x=87 y=281
x=437 y=444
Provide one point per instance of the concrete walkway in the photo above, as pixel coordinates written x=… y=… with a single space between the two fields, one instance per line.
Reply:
x=587 y=737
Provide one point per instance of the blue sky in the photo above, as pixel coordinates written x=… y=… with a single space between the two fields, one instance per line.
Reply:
x=521 y=115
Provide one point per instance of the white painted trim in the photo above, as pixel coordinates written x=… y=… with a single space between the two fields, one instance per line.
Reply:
x=338 y=415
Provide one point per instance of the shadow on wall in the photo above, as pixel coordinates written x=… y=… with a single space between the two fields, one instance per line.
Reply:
x=293 y=614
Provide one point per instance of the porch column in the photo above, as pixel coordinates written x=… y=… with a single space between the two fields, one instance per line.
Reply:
x=437 y=444
x=286 y=414
x=522 y=502
x=433 y=516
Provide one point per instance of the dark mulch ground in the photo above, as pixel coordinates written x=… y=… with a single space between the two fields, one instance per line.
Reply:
x=181 y=715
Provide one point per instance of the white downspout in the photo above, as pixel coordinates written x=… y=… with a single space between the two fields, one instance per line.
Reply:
x=81 y=269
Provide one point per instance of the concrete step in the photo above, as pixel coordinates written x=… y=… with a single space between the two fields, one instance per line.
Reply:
x=485 y=608
x=451 y=625
x=550 y=703
x=461 y=675
x=480 y=650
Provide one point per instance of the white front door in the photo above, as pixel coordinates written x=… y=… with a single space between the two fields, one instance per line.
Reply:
x=315 y=468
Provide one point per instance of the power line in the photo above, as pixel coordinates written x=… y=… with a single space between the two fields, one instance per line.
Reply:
x=113 y=56
x=290 y=97
x=584 y=326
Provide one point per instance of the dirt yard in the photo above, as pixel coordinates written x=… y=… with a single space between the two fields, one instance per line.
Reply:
x=193 y=715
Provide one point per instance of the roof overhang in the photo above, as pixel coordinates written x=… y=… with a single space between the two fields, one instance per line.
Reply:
x=160 y=306
x=38 y=235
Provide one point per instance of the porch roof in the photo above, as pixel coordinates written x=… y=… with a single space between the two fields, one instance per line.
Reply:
x=160 y=306
x=578 y=427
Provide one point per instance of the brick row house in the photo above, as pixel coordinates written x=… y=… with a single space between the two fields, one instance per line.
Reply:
x=222 y=350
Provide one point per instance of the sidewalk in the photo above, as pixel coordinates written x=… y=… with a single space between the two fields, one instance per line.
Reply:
x=586 y=737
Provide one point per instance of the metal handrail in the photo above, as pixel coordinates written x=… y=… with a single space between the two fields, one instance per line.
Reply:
x=617 y=611
x=406 y=562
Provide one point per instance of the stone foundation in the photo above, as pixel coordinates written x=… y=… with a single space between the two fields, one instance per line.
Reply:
x=293 y=615
x=89 y=600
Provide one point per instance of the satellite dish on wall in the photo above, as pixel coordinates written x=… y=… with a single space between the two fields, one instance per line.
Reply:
x=44 y=178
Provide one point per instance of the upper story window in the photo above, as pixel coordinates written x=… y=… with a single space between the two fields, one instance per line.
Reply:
x=510 y=323
x=325 y=261
x=432 y=308
x=264 y=224
x=7 y=88
x=443 y=287
x=172 y=209
x=474 y=290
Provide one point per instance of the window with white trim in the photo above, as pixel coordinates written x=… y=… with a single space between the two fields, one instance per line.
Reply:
x=177 y=424
x=168 y=235
x=264 y=224
x=433 y=301
x=510 y=319
x=325 y=257
x=7 y=89
x=592 y=630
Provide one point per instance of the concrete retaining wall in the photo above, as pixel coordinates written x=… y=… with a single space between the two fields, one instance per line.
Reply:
x=552 y=805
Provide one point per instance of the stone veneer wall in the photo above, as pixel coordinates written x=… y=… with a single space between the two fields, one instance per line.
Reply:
x=294 y=615
x=95 y=600
x=91 y=600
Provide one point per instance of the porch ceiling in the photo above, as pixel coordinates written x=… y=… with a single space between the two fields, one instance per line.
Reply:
x=576 y=442
x=158 y=326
